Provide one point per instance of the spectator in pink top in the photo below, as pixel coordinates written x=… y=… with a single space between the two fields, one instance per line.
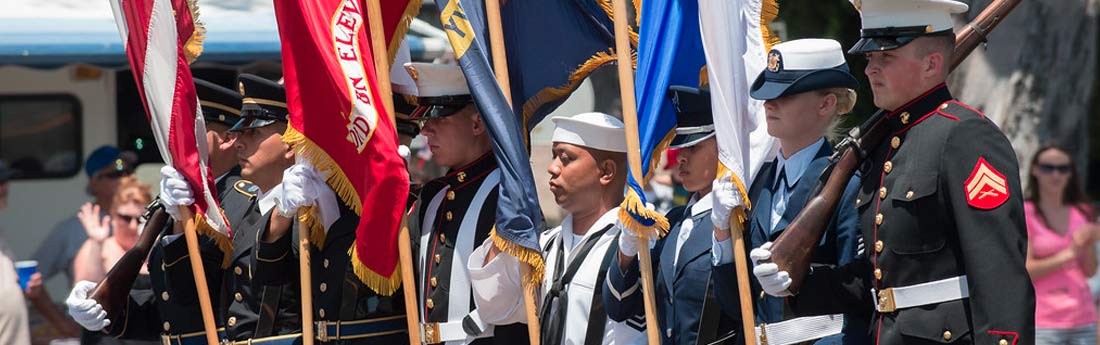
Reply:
x=1061 y=253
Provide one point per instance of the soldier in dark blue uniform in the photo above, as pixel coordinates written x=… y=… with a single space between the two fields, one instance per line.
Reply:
x=345 y=310
x=940 y=202
x=688 y=311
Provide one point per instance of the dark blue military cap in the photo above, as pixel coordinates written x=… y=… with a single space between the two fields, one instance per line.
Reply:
x=219 y=104
x=694 y=118
x=264 y=103
x=803 y=65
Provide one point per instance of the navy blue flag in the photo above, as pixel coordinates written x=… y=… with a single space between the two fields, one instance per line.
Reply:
x=551 y=47
x=670 y=52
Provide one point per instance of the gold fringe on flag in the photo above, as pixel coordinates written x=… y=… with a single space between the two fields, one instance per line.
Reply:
x=383 y=285
x=411 y=10
x=769 y=10
x=225 y=244
x=310 y=219
x=741 y=212
x=606 y=6
x=524 y=254
x=552 y=94
x=632 y=207
x=193 y=48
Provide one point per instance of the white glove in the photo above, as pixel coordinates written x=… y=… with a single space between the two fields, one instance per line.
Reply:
x=86 y=311
x=724 y=197
x=304 y=186
x=628 y=239
x=772 y=280
x=174 y=191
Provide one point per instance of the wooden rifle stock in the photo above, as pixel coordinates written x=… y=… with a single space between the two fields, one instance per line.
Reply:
x=794 y=248
x=113 y=292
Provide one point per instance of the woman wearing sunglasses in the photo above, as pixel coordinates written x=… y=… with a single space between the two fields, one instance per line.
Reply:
x=104 y=247
x=1061 y=253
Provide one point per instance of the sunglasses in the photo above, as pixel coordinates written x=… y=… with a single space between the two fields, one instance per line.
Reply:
x=128 y=218
x=1048 y=169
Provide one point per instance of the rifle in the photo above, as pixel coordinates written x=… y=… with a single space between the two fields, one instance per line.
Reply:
x=794 y=248
x=113 y=292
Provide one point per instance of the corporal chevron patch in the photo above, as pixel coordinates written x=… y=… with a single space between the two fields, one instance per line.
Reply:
x=986 y=188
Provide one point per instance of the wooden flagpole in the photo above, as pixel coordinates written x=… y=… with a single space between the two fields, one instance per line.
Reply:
x=500 y=68
x=404 y=242
x=748 y=318
x=630 y=119
x=191 y=236
x=305 y=277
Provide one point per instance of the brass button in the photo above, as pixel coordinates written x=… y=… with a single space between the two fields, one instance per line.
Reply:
x=878 y=219
x=323 y=287
x=321 y=313
x=232 y=321
x=943 y=106
x=905 y=118
x=237 y=270
x=762 y=295
x=443 y=238
x=238 y=297
x=430 y=303
x=895 y=142
x=324 y=263
x=438 y=258
x=167 y=325
x=1002 y=342
x=882 y=192
x=451 y=195
x=946 y=335
x=164 y=295
x=888 y=166
x=461 y=176
x=878 y=274
x=909 y=195
x=879 y=246
x=450 y=216
x=434 y=282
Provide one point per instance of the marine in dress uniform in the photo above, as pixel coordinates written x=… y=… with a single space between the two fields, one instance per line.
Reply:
x=345 y=310
x=577 y=261
x=687 y=308
x=940 y=203
x=254 y=310
x=454 y=213
x=783 y=186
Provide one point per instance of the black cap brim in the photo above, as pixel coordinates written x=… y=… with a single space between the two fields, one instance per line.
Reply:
x=688 y=140
x=436 y=111
x=878 y=44
x=250 y=123
x=765 y=89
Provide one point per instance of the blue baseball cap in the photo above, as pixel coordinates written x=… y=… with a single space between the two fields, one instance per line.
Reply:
x=103 y=157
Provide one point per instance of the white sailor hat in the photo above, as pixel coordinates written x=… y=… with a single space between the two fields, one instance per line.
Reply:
x=803 y=65
x=442 y=89
x=890 y=24
x=592 y=130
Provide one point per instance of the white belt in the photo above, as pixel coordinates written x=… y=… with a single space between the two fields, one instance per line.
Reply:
x=891 y=299
x=441 y=332
x=800 y=329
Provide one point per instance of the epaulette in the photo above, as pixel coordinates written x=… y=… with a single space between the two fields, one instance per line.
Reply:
x=247 y=188
x=959 y=111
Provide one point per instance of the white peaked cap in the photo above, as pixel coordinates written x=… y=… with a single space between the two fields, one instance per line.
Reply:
x=810 y=54
x=437 y=80
x=592 y=130
x=877 y=14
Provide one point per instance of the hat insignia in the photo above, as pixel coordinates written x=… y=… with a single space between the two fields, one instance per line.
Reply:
x=240 y=86
x=774 y=61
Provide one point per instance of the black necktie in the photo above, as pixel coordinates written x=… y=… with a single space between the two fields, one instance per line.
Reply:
x=781 y=180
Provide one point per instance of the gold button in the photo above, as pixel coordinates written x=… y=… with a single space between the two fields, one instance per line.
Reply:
x=909 y=195
x=323 y=287
x=438 y=258
x=762 y=295
x=905 y=118
x=461 y=176
x=321 y=313
x=882 y=192
x=164 y=295
x=430 y=303
x=895 y=142
x=1002 y=342
x=167 y=325
x=451 y=195
x=232 y=321
x=237 y=270
x=946 y=335
x=442 y=238
x=434 y=282
x=238 y=297
x=888 y=166
x=450 y=216
x=878 y=219
x=879 y=246
x=324 y=263
x=878 y=274
x=943 y=106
